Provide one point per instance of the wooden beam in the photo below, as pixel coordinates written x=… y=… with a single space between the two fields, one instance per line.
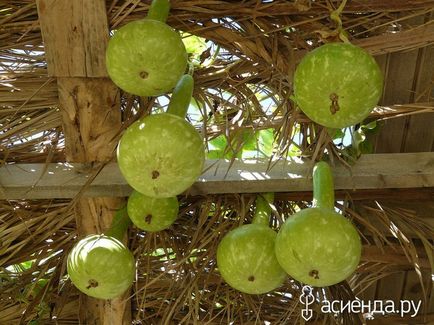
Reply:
x=371 y=172
x=75 y=37
x=75 y=34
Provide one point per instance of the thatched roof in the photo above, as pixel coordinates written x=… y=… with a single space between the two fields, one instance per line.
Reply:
x=243 y=81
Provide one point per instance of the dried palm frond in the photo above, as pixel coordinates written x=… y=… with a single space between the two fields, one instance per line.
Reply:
x=242 y=84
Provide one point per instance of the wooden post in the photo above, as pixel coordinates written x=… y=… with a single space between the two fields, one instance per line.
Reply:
x=75 y=34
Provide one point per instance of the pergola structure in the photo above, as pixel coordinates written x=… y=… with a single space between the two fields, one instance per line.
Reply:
x=69 y=184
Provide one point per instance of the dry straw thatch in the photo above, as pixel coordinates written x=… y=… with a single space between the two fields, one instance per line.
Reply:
x=260 y=44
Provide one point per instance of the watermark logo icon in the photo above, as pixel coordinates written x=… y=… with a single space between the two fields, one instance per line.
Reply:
x=307 y=298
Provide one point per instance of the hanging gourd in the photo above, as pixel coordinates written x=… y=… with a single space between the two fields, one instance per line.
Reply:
x=152 y=214
x=147 y=57
x=101 y=266
x=162 y=155
x=318 y=246
x=337 y=85
x=245 y=256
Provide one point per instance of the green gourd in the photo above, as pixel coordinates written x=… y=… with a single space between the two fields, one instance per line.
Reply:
x=245 y=256
x=147 y=57
x=152 y=214
x=318 y=246
x=162 y=155
x=337 y=85
x=101 y=266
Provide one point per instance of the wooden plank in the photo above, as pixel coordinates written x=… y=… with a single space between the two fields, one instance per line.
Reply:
x=413 y=289
x=390 y=287
x=399 y=88
x=399 y=75
x=376 y=171
x=369 y=293
x=75 y=35
x=420 y=135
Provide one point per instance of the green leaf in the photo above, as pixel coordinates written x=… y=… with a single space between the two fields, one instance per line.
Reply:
x=249 y=140
x=194 y=45
x=164 y=254
x=26 y=265
x=336 y=133
x=370 y=126
x=293 y=151
x=366 y=147
x=217 y=148
x=254 y=144
x=350 y=155
x=215 y=154
x=194 y=103
x=266 y=142
x=219 y=143
x=357 y=137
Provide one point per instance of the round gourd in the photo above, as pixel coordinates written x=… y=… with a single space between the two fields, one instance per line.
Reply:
x=161 y=155
x=101 y=266
x=146 y=58
x=152 y=214
x=337 y=85
x=317 y=246
x=246 y=260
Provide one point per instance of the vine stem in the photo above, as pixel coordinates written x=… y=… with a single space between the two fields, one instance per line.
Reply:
x=120 y=224
x=335 y=15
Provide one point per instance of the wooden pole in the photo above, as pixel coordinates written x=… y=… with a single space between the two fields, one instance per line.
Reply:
x=91 y=123
x=75 y=34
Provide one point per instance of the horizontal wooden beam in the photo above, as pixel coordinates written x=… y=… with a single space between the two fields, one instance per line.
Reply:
x=370 y=172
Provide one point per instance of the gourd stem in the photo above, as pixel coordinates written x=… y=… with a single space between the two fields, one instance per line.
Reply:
x=159 y=10
x=120 y=224
x=323 y=191
x=214 y=56
x=335 y=16
x=263 y=209
x=181 y=96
